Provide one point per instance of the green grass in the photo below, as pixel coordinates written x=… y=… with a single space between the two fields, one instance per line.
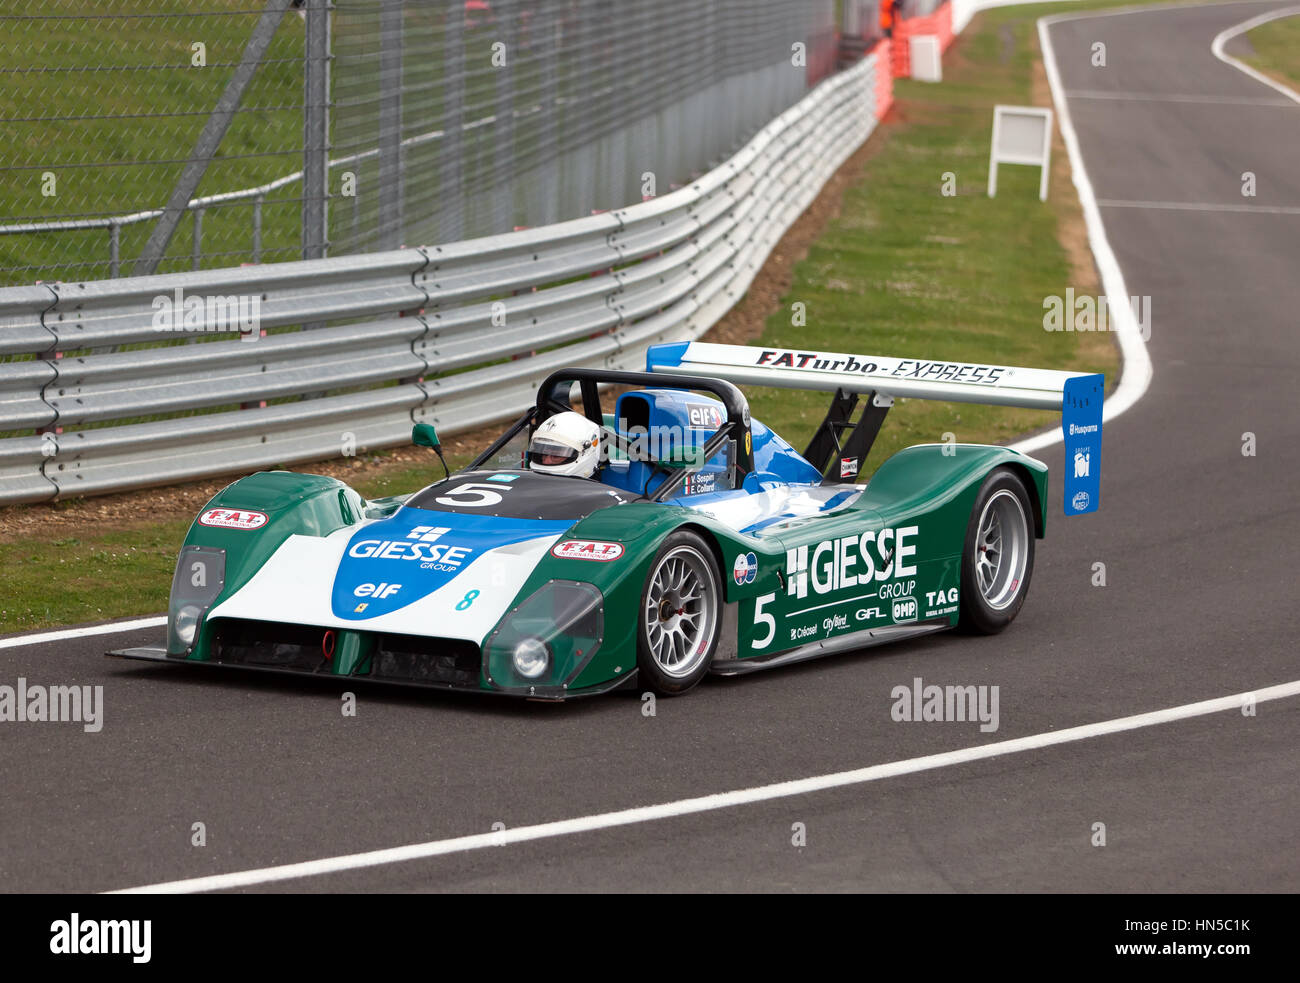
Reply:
x=65 y=580
x=1277 y=49
x=903 y=271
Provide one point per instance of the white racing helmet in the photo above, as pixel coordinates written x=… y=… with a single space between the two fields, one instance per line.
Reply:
x=565 y=444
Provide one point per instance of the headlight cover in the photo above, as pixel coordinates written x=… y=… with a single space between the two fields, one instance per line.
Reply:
x=200 y=576
x=553 y=635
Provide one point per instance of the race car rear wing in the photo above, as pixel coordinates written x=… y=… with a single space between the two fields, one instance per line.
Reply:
x=1077 y=396
x=962 y=382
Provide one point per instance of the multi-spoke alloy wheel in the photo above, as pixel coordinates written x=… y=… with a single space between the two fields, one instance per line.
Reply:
x=679 y=615
x=999 y=553
x=1002 y=549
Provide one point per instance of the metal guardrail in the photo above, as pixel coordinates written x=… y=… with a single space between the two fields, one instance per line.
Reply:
x=96 y=397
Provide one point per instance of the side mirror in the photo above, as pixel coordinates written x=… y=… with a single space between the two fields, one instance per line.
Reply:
x=424 y=435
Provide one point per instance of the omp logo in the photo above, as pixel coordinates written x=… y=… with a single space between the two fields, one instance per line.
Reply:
x=427 y=534
x=838 y=564
x=102 y=937
x=905 y=609
x=233 y=519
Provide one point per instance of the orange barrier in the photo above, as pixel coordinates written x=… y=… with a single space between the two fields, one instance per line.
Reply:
x=884 y=77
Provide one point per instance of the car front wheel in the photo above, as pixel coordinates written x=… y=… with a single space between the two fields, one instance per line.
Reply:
x=679 y=620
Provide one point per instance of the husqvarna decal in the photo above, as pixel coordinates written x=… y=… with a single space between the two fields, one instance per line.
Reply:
x=391 y=564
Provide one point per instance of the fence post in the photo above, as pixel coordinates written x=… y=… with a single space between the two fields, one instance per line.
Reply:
x=257 y=228
x=391 y=192
x=502 y=192
x=451 y=193
x=546 y=41
x=114 y=250
x=315 y=131
x=197 y=253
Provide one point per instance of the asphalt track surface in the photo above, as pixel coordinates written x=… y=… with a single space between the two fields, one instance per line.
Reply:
x=1200 y=546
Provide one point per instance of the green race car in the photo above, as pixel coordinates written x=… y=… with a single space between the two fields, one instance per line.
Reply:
x=701 y=541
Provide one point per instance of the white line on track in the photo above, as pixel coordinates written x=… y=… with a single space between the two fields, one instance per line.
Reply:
x=1225 y=36
x=709 y=803
x=113 y=628
x=1208 y=100
x=1193 y=206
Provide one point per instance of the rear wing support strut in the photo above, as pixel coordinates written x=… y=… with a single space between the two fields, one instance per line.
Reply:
x=834 y=457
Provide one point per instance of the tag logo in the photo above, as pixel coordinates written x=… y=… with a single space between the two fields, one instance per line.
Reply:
x=586 y=549
x=233 y=519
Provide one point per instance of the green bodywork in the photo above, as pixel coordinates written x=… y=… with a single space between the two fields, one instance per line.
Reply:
x=892 y=556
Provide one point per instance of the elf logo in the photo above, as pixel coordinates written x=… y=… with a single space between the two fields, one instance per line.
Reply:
x=851 y=561
x=377 y=591
x=704 y=415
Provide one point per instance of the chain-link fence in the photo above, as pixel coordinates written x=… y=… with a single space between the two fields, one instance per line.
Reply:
x=161 y=135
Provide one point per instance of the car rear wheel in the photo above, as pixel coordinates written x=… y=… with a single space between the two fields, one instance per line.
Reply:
x=998 y=559
x=679 y=621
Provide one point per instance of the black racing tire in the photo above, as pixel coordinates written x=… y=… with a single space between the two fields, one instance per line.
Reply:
x=679 y=620
x=997 y=559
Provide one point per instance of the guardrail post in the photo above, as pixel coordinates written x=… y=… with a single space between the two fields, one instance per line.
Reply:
x=391 y=196
x=315 y=130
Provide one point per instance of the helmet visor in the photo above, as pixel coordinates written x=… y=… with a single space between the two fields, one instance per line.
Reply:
x=550 y=453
